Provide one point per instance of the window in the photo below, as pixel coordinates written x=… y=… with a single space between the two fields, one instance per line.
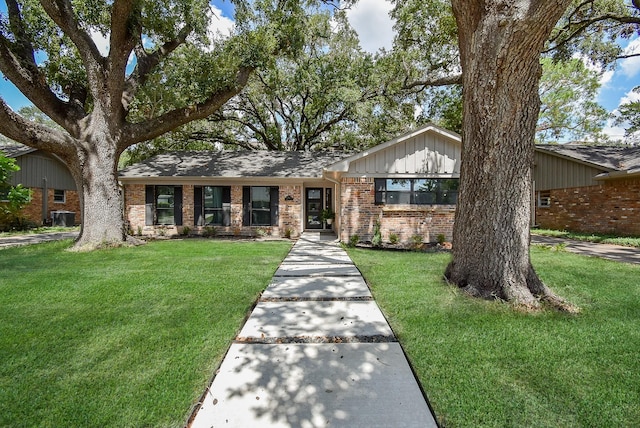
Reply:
x=544 y=199
x=212 y=205
x=416 y=191
x=260 y=206
x=163 y=205
x=59 y=196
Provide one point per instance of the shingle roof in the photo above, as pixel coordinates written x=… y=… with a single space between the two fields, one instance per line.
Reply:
x=15 y=150
x=234 y=164
x=609 y=157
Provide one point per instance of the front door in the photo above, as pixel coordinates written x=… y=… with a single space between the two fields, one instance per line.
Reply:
x=313 y=204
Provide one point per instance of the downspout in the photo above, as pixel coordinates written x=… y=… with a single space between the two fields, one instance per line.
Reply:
x=45 y=200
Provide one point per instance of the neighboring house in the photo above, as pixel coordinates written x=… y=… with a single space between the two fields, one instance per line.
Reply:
x=409 y=185
x=591 y=189
x=44 y=174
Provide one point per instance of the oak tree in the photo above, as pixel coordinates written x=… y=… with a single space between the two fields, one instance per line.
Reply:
x=102 y=100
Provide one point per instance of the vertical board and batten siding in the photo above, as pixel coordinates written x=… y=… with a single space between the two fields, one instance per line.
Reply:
x=553 y=172
x=36 y=166
x=427 y=153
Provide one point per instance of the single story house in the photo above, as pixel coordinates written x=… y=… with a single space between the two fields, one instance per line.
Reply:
x=591 y=189
x=408 y=186
x=53 y=189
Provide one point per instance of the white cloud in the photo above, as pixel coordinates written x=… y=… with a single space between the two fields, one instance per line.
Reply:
x=606 y=77
x=373 y=24
x=630 y=67
x=102 y=42
x=219 y=25
x=630 y=97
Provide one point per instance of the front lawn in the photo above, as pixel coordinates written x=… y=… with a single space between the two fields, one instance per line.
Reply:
x=482 y=364
x=125 y=337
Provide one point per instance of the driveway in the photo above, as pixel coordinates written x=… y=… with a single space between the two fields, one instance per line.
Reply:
x=36 y=238
x=617 y=253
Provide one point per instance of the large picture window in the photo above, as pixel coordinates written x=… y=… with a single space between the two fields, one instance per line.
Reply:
x=212 y=205
x=416 y=191
x=163 y=205
x=260 y=205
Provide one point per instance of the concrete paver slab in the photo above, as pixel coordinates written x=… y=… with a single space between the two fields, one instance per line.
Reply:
x=317 y=287
x=288 y=269
x=351 y=385
x=319 y=259
x=315 y=319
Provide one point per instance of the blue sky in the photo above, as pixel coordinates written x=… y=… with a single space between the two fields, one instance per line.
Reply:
x=371 y=20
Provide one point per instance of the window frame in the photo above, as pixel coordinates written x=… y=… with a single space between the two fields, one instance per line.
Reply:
x=151 y=205
x=272 y=206
x=412 y=194
x=544 y=199
x=64 y=196
x=201 y=210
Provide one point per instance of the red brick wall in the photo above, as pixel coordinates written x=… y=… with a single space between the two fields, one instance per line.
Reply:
x=33 y=211
x=610 y=208
x=359 y=215
x=290 y=213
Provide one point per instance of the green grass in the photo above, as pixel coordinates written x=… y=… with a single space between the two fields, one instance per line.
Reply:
x=627 y=241
x=483 y=364
x=124 y=337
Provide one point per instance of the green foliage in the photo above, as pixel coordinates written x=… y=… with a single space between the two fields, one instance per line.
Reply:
x=12 y=198
x=441 y=238
x=544 y=369
x=353 y=240
x=416 y=241
x=628 y=115
x=376 y=241
x=393 y=238
x=569 y=111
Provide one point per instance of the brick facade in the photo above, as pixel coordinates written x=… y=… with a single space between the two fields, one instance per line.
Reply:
x=610 y=208
x=290 y=213
x=360 y=213
x=33 y=211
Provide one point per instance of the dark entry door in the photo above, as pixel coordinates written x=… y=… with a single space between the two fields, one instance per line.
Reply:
x=313 y=205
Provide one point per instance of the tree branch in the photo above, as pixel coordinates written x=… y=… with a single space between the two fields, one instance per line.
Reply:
x=25 y=75
x=155 y=127
x=147 y=62
x=34 y=134
x=435 y=81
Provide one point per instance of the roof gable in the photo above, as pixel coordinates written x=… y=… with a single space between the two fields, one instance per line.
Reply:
x=427 y=150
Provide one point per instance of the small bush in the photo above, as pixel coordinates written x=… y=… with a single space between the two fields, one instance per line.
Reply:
x=393 y=238
x=186 y=230
x=416 y=242
x=209 y=232
x=288 y=232
x=441 y=239
x=353 y=240
x=376 y=241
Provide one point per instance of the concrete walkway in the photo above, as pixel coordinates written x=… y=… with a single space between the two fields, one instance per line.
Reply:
x=617 y=253
x=315 y=352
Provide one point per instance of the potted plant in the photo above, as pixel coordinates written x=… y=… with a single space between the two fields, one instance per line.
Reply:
x=327 y=216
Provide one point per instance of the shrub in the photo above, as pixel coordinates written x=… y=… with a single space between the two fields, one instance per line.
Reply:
x=186 y=230
x=416 y=242
x=376 y=241
x=393 y=238
x=209 y=232
x=353 y=240
x=441 y=239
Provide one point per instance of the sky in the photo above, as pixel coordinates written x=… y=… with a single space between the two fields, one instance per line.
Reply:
x=370 y=18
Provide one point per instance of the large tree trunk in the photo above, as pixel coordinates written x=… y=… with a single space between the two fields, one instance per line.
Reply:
x=500 y=45
x=100 y=201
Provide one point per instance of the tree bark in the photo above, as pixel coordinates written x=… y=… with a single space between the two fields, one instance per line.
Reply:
x=500 y=44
